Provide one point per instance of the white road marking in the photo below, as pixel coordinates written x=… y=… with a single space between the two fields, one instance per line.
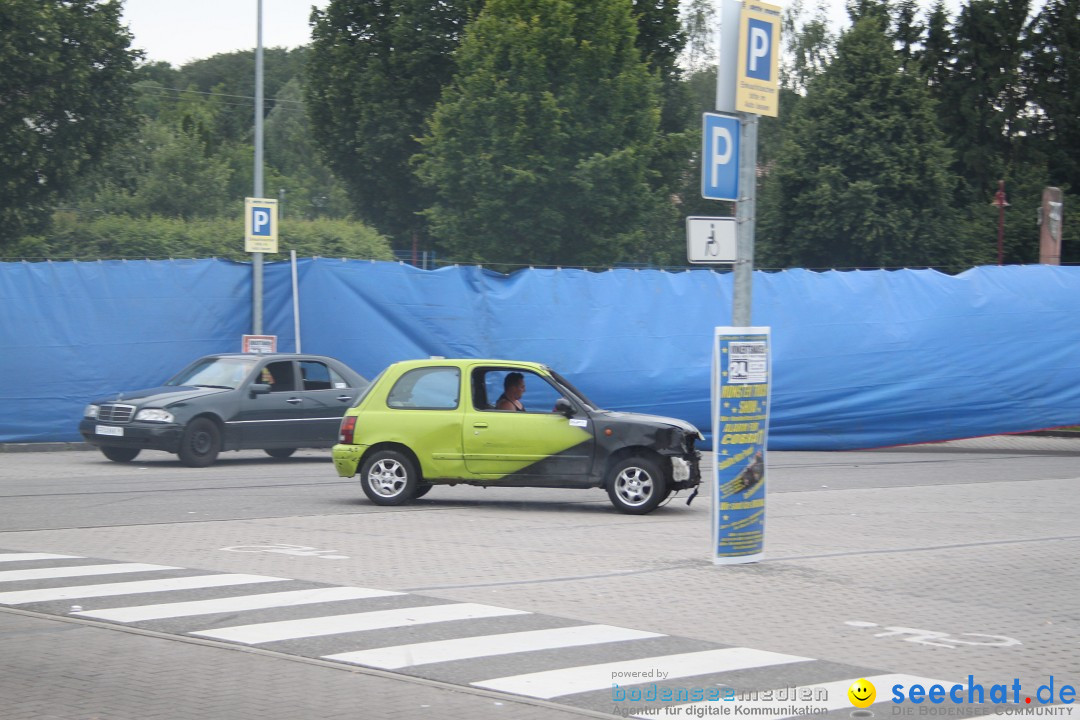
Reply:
x=12 y=557
x=20 y=597
x=401 y=656
x=835 y=698
x=567 y=681
x=354 y=622
x=234 y=604
x=80 y=571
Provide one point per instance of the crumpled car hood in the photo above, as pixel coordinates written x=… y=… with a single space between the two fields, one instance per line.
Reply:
x=643 y=419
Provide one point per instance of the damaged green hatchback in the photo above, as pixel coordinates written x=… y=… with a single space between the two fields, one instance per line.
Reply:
x=432 y=422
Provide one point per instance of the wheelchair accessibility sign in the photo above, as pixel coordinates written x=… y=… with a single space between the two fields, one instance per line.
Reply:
x=710 y=240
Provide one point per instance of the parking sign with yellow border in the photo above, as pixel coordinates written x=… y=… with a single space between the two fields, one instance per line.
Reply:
x=260 y=225
x=757 y=84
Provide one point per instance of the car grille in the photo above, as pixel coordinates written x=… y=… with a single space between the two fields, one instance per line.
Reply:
x=116 y=413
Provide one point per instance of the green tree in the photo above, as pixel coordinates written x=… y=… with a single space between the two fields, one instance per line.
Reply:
x=539 y=152
x=230 y=77
x=699 y=27
x=375 y=72
x=907 y=30
x=166 y=171
x=863 y=179
x=1051 y=72
x=65 y=98
x=121 y=236
x=936 y=54
x=980 y=100
x=297 y=169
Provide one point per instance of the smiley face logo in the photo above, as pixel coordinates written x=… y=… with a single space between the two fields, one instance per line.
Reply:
x=862 y=693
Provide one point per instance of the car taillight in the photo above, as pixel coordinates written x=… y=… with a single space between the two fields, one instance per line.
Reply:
x=348 y=428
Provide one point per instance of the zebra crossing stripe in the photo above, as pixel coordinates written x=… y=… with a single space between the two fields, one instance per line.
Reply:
x=13 y=557
x=234 y=604
x=80 y=571
x=354 y=622
x=833 y=696
x=567 y=681
x=21 y=597
x=400 y=656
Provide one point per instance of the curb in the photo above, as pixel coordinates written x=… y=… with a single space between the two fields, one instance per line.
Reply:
x=1055 y=433
x=43 y=447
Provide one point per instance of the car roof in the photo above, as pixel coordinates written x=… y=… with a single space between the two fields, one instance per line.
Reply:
x=275 y=356
x=468 y=362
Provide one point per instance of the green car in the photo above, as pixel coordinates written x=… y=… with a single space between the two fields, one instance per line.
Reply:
x=432 y=422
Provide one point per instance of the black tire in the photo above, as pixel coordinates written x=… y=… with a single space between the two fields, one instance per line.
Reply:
x=636 y=486
x=422 y=489
x=200 y=444
x=389 y=477
x=120 y=454
x=280 y=453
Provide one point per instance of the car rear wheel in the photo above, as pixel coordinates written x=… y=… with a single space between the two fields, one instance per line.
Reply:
x=389 y=477
x=636 y=486
x=422 y=489
x=120 y=454
x=280 y=453
x=200 y=444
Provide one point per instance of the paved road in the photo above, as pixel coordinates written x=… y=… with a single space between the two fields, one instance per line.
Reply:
x=937 y=562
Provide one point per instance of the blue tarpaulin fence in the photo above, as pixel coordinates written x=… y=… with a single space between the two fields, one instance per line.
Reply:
x=860 y=359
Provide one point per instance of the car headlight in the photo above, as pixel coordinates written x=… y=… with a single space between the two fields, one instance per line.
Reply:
x=90 y=411
x=154 y=415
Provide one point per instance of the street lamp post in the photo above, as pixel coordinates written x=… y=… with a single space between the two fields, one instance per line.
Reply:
x=999 y=200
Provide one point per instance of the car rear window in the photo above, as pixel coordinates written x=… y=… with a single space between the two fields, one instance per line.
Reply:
x=432 y=388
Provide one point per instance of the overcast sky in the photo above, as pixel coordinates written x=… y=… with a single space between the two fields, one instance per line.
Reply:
x=178 y=31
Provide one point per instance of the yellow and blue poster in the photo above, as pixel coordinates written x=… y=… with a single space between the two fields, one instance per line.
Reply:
x=742 y=371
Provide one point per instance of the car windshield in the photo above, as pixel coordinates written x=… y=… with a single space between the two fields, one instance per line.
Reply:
x=215 y=372
x=567 y=385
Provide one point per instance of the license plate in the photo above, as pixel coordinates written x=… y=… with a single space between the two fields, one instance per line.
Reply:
x=109 y=430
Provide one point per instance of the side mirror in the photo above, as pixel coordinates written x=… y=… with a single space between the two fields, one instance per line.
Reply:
x=259 y=389
x=563 y=406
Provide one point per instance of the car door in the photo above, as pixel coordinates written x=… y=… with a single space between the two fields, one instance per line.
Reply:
x=324 y=396
x=271 y=419
x=536 y=447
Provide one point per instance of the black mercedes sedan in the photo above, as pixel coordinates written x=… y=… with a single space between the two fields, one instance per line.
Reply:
x=273 y=402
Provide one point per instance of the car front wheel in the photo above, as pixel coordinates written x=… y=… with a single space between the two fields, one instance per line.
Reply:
x=120 y=454
x=389 y=477
x=200 y=444
x=636 y=486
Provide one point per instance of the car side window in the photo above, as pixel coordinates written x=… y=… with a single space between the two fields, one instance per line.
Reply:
x=318 y=376
x=489 y=384
x=434 y=388
x=279 y=376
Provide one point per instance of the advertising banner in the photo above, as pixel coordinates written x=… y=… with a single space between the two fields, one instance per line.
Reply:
x=742 y=370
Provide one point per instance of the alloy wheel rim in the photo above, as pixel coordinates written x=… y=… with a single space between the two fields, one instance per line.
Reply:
x=634 y=486
x=387 y=478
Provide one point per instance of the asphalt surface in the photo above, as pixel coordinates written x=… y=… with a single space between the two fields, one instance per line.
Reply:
x=275 y=590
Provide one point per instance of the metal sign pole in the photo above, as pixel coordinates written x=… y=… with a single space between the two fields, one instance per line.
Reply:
x=257 y=258
x=744 y=217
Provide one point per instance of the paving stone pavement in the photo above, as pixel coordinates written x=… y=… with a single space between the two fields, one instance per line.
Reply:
x=125 y=676
x=990 y=569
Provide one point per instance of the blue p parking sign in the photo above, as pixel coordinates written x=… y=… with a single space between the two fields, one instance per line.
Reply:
x=758 y=50
x=260 y=225
x=757 y=87
x=720 y=157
